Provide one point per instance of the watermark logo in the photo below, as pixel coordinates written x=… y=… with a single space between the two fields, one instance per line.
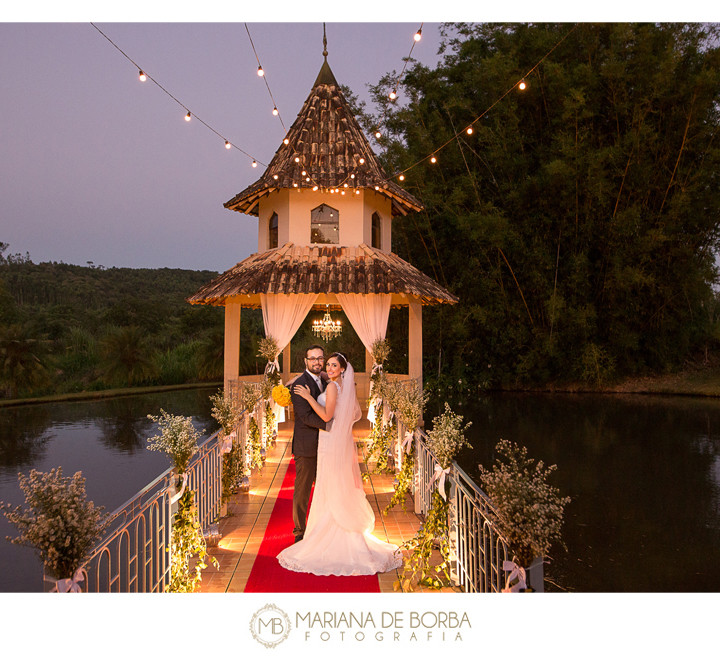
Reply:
x=270 y=625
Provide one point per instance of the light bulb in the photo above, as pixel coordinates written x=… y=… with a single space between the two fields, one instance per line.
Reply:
x=261 y=73
x=469 y=130
x=522 y=86
x=254 y=163
x=275 y=176
x=377 y=188
x=275 y=111
x=304 y=173
x=401 y=177
x=433 y=159
x=286 y=141
x=227 y=144
x=315 y=188
x=297 y=159
x=418 y=35
x=378 y=135
x=142 y=76
x=352 y=175
x=362 y=160
x=187 y=117
x=392 y=95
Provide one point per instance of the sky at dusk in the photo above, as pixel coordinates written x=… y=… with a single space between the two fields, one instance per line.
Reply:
x=98 y=166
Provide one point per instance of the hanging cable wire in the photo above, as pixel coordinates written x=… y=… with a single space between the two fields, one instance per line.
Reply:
x=264 y=77
x=433 y=154
x=143 y=72
x=416 y=39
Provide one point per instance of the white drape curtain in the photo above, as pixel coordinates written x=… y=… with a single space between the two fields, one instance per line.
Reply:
x=368 y=315
x=282 y=317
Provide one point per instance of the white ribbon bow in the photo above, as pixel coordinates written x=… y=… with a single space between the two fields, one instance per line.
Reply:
x=174 y=494
x=227 y=443
x=440 y=474
x=515 y=572
x=371 y=411
x=408 y=441
x=71 y=585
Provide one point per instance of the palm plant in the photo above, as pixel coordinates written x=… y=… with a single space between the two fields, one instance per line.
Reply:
x=126 y=355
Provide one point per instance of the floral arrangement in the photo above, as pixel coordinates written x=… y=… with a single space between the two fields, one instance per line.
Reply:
x=281 y=395
x=268 y=349
x=225 y=412
x=249 y=395
x=269 y=423
x=59 y=522
x=527 y=509
x=445 y=440
x=380 y=350
x=178 y=438
x=408 y=403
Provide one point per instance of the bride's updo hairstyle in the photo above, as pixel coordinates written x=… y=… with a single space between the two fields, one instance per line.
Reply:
x=341 y=359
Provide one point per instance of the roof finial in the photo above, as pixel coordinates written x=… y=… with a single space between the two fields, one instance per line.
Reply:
x=325 y=52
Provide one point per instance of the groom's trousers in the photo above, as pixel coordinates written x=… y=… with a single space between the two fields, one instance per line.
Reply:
x=305 y=470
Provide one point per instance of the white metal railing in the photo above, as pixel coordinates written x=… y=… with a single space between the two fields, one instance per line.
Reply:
x=477 y=548
x=134 y=554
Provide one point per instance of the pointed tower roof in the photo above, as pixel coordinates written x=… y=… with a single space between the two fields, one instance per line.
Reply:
x=327 y=143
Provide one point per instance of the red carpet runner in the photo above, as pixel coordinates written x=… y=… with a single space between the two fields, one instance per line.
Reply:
x=268 y=576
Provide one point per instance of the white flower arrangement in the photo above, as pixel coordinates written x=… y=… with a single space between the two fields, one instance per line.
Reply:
x=59 y=522
x=408 y=403
x=528 y=511
x=446 y=438
x=225 y=412
x=178 y=438
x=249 y=395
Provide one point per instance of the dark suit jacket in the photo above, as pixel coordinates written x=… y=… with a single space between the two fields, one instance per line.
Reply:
x=307 y=422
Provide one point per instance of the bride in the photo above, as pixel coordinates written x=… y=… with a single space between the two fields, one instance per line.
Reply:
x=338 y=539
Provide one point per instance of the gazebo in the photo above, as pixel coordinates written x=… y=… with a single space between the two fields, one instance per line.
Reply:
x=325 y=209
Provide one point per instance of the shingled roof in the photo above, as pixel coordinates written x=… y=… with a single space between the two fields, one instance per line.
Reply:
x=331 y=148
x=322 y=269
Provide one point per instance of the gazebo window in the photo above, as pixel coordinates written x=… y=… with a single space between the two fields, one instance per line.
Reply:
x=273 y=231
x=376 y=231
x=324 y=225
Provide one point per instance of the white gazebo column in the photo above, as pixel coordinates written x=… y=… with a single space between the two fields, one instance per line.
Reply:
x=232 y=342
x=415 y=341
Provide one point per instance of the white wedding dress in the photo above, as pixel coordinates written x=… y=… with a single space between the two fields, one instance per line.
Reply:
x=338 y=539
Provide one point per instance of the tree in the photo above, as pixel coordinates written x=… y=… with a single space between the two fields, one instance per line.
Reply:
x=126 y=356
x=586 y=205
x=23 y=358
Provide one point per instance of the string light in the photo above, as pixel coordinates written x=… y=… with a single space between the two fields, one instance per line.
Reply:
x=378 y=134
x=143 y=76
x=521 y=84
x=286 y=141
x=392 y=95
x=418 y=35
x=260 y=71
x=254 y=163
x=275 y=111
x=416 y=38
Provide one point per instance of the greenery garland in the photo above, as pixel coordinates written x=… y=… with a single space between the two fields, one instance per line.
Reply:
x=187 y=542
x=403 y=482
x=254 y=444
x=417 y=567
x=269 y=423
x=380 y=445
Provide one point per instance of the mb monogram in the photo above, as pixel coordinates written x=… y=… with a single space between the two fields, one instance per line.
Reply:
x=270 y=625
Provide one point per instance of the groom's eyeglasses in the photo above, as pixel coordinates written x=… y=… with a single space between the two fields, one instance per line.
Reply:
x=314 y=358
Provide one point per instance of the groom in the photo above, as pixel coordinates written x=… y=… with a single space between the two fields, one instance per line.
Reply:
x=305 y=436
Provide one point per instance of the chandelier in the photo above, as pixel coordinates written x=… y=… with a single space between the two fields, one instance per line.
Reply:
x=326 y=328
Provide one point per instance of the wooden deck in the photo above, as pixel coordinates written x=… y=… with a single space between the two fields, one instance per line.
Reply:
x=243 y=528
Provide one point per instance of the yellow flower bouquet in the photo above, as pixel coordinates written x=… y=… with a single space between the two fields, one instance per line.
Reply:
x=281 y=395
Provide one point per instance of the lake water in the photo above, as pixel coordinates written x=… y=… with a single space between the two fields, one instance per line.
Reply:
x=105 y=439
x=643 y=473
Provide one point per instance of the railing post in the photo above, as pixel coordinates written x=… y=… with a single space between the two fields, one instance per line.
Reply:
x=453 y=527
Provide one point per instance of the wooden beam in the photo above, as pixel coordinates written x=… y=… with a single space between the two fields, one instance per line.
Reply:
x=232 y=342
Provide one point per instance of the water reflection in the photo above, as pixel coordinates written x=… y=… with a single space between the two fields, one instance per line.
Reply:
x=643 y=473
x=105 y=439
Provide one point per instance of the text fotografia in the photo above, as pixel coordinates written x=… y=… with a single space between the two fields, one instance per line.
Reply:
x=414 y=626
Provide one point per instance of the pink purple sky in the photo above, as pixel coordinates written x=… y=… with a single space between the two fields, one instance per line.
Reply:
x=98 y=166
